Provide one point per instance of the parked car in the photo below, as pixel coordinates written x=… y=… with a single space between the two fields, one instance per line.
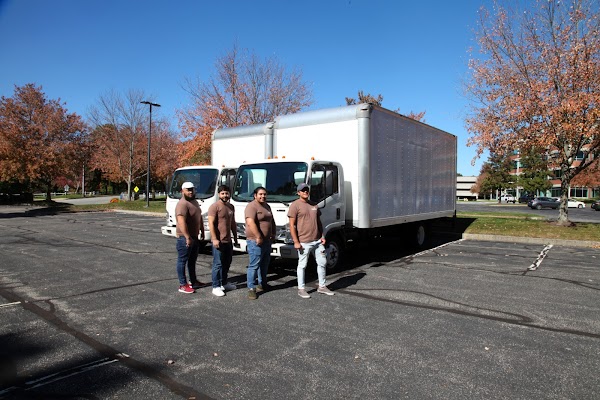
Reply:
x=543 y=202
x=575 y=204
x=508 y=198
x=596 y=205
x=525 y=198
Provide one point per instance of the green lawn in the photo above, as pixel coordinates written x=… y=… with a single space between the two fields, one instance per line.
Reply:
x=529 y=227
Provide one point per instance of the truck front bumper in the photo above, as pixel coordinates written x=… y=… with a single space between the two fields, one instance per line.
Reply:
x=277 y=249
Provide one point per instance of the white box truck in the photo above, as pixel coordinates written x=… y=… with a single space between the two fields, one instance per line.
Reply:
x=206 y=179
x=371 y=171
x=249 y=142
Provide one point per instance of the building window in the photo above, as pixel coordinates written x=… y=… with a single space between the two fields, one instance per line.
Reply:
x=579 y=156
x=578 y=192
x=555 y=192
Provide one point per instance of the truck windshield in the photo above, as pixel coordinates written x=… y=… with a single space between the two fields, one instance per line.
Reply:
x=280 y=179
x=204 y=181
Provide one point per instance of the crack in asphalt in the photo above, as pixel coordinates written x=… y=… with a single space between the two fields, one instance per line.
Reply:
x=108 y=352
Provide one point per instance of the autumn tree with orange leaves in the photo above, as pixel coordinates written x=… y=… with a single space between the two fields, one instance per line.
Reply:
x=535 y=83
x=244 y=90
x=39 y=139
x=120 y=138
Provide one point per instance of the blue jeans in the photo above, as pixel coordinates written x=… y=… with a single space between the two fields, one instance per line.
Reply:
x=186 y=256
x=221 y=263
x=318 y=251
x=260 y=256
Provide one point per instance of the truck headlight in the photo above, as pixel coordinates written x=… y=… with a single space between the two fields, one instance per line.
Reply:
x=283 y=234
x=241 y=230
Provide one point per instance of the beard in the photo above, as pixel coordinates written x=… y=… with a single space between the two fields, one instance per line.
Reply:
x=189 y=198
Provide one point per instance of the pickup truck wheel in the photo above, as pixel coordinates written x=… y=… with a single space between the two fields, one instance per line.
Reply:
x=538 y=207
x=334 y=250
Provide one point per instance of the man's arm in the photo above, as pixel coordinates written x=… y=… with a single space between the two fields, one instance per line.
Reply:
x=251 y=225
x=212 y=227
x=273 y=230
x=201 y=224
x=294 y=233
x=234 y=229
x=184 y=230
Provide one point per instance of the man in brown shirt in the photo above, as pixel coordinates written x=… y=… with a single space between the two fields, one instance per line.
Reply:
x=188 y=228
x=260 y=232
x=221 y=221
x=307 y=233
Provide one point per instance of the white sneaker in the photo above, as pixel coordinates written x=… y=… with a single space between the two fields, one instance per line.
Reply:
x=228 y=286
x=218 y=292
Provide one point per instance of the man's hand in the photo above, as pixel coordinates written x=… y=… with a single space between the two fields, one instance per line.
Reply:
x=215 y=243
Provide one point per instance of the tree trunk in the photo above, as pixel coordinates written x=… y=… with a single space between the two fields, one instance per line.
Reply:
x=563 y=214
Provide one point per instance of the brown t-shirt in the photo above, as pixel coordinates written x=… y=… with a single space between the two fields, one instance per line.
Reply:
x=192 y=213
x=263 y=218
x=223 y=213
x=306 y=215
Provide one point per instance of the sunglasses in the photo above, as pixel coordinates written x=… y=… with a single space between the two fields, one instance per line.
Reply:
x=305 y=190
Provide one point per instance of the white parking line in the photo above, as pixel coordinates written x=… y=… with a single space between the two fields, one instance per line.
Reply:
x=540 y=258
x=10 y=304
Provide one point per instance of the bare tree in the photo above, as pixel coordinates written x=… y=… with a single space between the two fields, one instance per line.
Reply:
x=244 y=90
x=119 y=135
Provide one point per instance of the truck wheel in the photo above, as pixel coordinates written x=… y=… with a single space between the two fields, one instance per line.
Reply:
x=420 y=235
x=580 y=206
x=538 y=207
x=334 y=251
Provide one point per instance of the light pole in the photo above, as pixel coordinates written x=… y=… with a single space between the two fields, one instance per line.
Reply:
x=149 y=135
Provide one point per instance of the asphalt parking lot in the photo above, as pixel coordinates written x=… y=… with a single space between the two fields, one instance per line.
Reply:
x=89 y=309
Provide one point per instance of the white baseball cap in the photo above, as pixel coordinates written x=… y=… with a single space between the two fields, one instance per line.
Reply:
x=187 y=185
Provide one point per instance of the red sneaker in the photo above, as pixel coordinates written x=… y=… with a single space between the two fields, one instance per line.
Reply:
x=186 y=289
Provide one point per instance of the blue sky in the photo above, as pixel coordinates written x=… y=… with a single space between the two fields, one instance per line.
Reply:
x=414 y=53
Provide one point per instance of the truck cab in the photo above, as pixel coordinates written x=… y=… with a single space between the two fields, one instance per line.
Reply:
x=281 y=178
x=206 y=179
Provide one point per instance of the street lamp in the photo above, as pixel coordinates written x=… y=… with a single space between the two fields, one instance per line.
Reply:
x=149 y=135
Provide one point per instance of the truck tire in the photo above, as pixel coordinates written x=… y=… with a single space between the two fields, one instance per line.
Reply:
x=538 y=207
x=420 y=235
x=335 y=251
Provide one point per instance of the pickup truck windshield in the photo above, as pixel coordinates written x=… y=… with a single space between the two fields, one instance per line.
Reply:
x=204 y=181
x=280 y=179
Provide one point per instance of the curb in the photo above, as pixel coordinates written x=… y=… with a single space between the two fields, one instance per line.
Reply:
x=146 y=213
x=532 y=240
